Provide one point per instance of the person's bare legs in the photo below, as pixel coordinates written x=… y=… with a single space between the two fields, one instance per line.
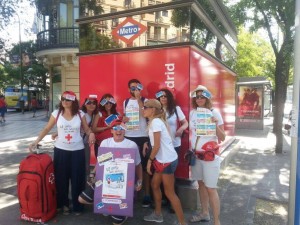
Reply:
x=146 y=183
x=155 y=184
x=168 y=182
x=214 y=204
x=204 y=199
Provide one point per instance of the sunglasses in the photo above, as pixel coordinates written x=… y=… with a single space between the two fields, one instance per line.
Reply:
x=139 y=87
x=200 y=97
x=118 y=128
x=105 y=101
x=146 y=107
x=91 y=103
x=65 y=99
x=133 y=88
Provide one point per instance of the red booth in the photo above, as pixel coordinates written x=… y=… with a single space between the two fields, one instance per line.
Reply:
x=179 y=68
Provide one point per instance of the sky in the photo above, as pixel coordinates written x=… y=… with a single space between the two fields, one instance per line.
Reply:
x=26 y=14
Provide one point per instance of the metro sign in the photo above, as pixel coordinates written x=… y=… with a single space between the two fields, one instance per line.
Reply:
x=128 y=30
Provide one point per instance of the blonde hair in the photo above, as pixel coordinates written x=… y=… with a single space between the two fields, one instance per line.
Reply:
x=159 y=112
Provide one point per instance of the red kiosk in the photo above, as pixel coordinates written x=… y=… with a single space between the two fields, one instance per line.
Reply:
x=176 y=61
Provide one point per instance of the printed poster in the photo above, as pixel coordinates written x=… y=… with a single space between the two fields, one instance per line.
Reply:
x=115 y=181
x=250 y=102
x=205 y=126
x=134 y=118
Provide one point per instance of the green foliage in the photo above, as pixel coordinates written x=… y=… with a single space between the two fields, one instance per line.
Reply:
x=90 y=40
x=8 y=10
x=267 y=15
x=255 y=56
x=34 y=74
x=89 y=7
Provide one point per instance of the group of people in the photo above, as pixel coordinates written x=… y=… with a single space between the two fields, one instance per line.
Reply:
x=154 y=128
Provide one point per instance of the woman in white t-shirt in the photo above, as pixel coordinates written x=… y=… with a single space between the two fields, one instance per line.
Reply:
x=69 y=156
x=164 y=155
x=175 y=117
x=206 y=172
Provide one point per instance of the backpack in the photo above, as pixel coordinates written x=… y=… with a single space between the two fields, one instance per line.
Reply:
x=36 y=188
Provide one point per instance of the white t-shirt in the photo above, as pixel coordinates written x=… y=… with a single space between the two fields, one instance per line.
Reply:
x=133 y=105
x=110 y=143
x=172 y=121
x=203 y=138
x=166 y=152
x=69 y=137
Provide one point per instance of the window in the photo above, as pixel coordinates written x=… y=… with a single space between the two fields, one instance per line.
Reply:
x=164 y=13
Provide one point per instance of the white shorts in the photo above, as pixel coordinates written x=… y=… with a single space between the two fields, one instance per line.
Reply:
x=207 y=171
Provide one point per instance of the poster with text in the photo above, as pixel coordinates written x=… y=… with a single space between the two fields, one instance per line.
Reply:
x=115 y=179
x=250 y=102
x=205 y=126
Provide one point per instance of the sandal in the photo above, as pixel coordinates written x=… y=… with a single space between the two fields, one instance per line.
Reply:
x=199 y=218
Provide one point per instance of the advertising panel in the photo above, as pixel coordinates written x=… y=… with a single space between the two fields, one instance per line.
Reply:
x=115 y=179
x=250 y=102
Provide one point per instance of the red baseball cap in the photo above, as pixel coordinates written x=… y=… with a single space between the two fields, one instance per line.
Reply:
x=118 y=122
x=70 y=95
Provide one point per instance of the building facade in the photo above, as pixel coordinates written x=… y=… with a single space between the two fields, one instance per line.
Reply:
x=69 y=27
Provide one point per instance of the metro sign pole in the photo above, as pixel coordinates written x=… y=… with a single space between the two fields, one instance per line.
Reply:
x=294 y=195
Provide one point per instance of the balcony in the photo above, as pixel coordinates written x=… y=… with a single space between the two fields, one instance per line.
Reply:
x=58 y=38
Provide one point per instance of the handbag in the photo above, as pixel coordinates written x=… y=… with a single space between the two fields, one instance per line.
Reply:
x=190 y=157
x=158 y=166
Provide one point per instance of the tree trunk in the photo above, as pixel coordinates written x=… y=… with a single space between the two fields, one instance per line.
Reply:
x=281 y=81
x=218 y=50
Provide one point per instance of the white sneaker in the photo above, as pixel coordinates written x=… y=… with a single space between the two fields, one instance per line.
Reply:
x=154 y=218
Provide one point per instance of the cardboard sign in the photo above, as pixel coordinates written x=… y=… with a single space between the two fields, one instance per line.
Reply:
x=111 y=118
x=205 y=126
x=115 y=179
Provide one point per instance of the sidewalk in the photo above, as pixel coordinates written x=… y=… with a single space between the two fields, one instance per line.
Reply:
x=253 y=187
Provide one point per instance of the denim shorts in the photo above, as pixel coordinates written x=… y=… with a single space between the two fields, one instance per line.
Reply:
x=170 y=169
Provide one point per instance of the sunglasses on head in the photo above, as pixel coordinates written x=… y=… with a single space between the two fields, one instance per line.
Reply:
x=65 y=99
x=105 y=101
x=118 y=128
x=160 y=95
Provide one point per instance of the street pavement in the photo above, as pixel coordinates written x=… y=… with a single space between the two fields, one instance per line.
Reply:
x=253 y=185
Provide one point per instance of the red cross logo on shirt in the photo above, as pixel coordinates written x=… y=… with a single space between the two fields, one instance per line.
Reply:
x=68 y=137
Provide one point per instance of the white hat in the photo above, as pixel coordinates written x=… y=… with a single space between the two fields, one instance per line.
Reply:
x=198 y=88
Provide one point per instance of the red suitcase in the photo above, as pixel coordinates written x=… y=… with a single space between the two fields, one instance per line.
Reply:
x=36 y=188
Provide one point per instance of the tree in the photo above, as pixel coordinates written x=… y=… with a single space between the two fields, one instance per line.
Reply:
x=200 y=34
x=8 y=11
x=255 y=56
x=267 y=14
x=34 y=74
